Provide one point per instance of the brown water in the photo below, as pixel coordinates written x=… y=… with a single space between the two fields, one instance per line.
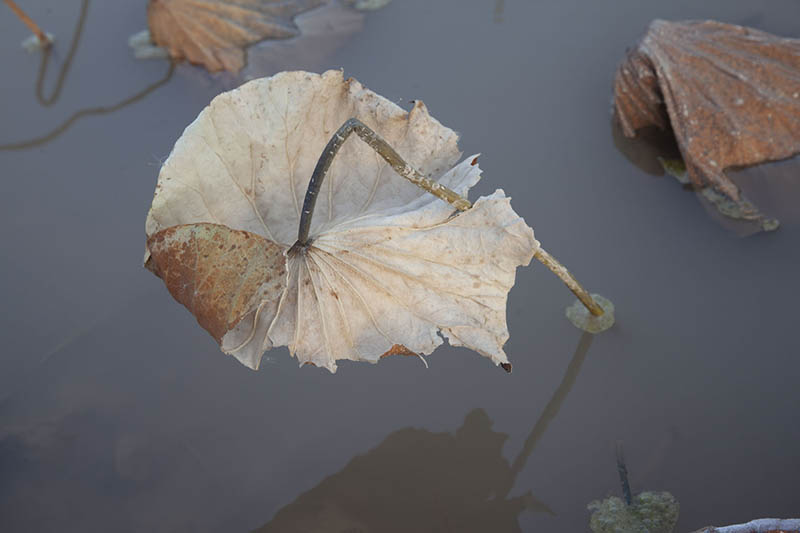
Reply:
x=118 y=413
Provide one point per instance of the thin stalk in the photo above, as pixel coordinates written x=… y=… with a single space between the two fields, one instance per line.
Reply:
x=623 y=475
x=62 y=75
x=43 y=39
x=101 y=110
x=569 y=280
x=388 y=154
x=405 y=170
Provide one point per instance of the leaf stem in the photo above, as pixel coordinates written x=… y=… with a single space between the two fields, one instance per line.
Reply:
x=569 y=280
x=387 y=153
x=623 y=475
x=43 y=39
x=407 y=171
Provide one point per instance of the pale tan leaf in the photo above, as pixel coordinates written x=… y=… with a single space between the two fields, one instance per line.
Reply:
x=389 y=267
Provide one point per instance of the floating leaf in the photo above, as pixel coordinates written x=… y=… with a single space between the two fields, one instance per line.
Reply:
x=731 y=95
x=214 y=33
x=388 y=266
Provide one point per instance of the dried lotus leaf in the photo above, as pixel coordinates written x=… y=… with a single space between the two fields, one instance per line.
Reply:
x=214 y=33
x=731 y=95
x=387 y=264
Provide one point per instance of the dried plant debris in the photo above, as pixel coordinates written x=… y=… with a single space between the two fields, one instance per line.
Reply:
x=762 y=525
x=389 y=268
x=730 y=94
x=214 y=33
x=367 y=5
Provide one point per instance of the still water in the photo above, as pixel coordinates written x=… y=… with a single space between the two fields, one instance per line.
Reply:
x=118 y=413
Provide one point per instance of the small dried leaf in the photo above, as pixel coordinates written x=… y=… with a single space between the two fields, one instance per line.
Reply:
x=730 y=93
x=214 y=33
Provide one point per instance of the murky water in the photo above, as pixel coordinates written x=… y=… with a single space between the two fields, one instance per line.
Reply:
x=118 y=413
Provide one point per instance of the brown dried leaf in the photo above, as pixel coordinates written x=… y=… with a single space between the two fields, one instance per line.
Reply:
x=214 y=33
x=730 y=93
x=221 y=276
x=399 y=349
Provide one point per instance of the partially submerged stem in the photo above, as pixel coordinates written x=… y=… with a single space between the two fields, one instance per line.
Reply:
x=569 y=280
x=623 y=475
x=387 y=153
x=43 y=39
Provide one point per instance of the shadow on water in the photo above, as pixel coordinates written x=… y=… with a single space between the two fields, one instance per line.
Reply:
x=48 y=101
x=417 y=480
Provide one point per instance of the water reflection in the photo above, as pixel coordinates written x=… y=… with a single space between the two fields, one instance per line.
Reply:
x=418 y=480
x=647 y=147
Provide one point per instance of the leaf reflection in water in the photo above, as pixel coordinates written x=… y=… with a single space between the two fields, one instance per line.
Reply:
x=418 y=480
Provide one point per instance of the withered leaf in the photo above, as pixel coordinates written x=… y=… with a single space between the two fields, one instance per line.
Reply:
x=223 y=277
x=731 y=95
x=390 y=268
x=214 y=33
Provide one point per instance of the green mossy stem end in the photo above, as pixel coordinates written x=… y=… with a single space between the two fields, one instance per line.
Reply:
x=581 y=318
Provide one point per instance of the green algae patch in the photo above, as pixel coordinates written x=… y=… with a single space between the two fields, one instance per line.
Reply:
x=650 y=512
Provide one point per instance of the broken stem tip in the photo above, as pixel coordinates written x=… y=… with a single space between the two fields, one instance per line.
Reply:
x=569 y=280
x=388 y=154
x=43 y=39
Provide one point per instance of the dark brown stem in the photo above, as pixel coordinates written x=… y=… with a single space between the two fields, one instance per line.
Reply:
x=623 y=475
x=388 y=154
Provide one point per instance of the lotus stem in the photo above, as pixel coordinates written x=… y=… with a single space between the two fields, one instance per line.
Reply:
x=569 y=280
x=65 y=67
x=407 y=171
x=388 y=154
x=43 y=39
x=623 y=475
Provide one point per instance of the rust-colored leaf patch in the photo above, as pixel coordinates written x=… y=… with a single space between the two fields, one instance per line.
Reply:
x=399 y=349
x=219 y=274
x=214 y=33
x=731 y=95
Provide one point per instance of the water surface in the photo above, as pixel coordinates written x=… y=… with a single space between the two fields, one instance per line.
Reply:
x=118 y=413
